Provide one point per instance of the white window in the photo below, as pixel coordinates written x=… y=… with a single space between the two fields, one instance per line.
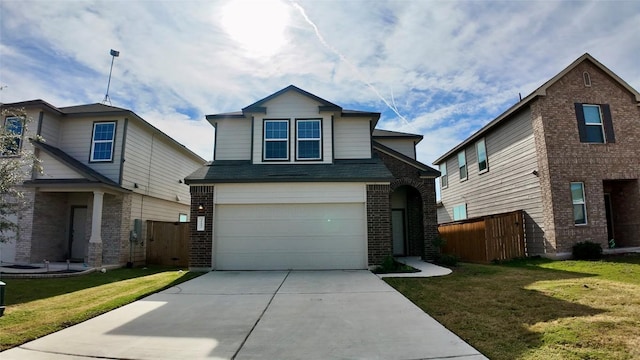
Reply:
x=579 y=204
x=102 y=142
x=462 y=165
x=444 y=180
x=183 y=218
x=12 y=136
x=309 y=140
x=460 y=212
x=593 y=123
x=276 y=140
x=481 y=150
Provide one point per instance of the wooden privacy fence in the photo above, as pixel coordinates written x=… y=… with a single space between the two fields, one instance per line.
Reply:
x=167 y=243
x=494 y=237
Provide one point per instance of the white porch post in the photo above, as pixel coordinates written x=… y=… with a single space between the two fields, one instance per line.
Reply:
x=95 y=241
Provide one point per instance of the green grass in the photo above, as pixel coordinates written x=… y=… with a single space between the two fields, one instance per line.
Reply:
x=37 y=307
x=538 y=309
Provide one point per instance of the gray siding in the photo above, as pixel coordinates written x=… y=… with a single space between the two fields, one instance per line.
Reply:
x=404 y=146
x=509 y=184
x=75 y=140
x=233 y=140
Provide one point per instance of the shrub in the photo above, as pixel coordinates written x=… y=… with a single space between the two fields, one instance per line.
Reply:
x=447 y=259
x=587 y=250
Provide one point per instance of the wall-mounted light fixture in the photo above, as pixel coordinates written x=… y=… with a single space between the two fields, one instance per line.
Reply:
x=535 y=172
x=200 y=207
x=135 y=185
x=179 y=181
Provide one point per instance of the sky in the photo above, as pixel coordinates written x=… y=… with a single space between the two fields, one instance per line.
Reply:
x=442 y=69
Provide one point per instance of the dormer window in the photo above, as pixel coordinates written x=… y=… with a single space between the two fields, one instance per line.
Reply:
x=276 y=140
x=309 y=139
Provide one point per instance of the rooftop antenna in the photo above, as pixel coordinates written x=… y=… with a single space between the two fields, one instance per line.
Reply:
x=114 y=54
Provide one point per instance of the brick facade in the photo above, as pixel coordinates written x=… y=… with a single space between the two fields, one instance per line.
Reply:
x=48 y=236
x=563 y=159
x=378 y=223
x=200 y=253
x=421 y=211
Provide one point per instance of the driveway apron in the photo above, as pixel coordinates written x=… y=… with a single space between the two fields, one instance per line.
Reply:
x=260 y=315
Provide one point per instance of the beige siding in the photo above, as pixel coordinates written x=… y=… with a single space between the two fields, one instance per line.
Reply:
x=508 y=185
x=50 y=129
x=156 y=166
x=54 y=169
x=75 y=140
x=233 y=140
x=352 y=137
x=304 y=193
x=292 y=106
x=404 y=146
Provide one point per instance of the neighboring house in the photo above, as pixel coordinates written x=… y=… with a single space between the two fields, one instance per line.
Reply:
x=298 y=182
x=106 y=171
x=567 y=155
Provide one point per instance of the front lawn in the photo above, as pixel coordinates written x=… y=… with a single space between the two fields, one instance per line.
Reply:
x=538 y=309
x=37 y=307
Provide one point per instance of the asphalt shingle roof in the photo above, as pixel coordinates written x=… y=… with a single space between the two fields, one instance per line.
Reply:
x=244 y=171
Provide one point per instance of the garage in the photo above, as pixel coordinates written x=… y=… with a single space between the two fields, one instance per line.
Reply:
x=304 y=236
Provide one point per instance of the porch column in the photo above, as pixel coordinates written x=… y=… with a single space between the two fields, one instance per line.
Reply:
x=94 y=257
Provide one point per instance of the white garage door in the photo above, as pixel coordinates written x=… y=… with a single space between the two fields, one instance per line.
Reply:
x=290 y=236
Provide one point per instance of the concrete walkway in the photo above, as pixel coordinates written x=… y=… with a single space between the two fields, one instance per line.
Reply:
x=260 y=315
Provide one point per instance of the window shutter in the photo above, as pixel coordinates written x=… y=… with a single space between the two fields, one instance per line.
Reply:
x=582 y=128
x=608 y=124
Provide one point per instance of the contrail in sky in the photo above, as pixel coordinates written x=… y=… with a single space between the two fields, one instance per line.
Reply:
x=346 y=61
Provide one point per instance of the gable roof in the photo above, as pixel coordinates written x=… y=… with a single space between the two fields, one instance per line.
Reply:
x=97 y=109
x=91 y=176
x=541 y=91
x=425 y=170
x=258 y=107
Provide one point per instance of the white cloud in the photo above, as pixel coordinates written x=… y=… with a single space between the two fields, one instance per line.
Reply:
x=449 y=66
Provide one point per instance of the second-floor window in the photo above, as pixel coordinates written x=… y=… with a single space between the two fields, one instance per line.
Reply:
x=102 y=141
x=462 y=165
x=276 y=140
x=594 y=123
x=12 y=136
x=444 y=179
x=309 y=140
x=481 y=150
x=460 y=212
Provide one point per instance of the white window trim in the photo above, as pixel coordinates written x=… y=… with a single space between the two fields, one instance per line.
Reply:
x=583 y=203
x=318 y=139
x=486 y=156
x=463 y=205
x=21 y=135
x=466 y=168
x=604 y=135
x=94 y=141
x=265 y=140
x=444 y=177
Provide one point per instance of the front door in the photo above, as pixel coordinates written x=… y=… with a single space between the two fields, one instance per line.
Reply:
x=609 y=214
x=77 y=234
x=399 y=238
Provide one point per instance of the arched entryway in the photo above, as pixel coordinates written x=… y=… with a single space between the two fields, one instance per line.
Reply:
x=407 y=226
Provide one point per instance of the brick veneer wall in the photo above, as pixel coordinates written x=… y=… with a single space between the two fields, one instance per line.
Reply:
x=201 y=241
x=407 y=175
x=378 y=223
x=25 y=227
x=563 y=159
x=48 y=237
x=116 y=221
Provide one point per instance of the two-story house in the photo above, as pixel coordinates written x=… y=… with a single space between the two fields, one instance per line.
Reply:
x=567 y=154
x=298 y=182
x=105 y=172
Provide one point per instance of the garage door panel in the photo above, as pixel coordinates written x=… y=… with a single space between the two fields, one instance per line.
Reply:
x=292 y=236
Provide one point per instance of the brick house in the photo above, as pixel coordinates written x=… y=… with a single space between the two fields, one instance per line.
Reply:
x=104 y=174
x=298 y=182
x=567 y=154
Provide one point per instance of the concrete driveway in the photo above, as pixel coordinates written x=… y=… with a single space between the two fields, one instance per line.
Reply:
x=260 y=315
